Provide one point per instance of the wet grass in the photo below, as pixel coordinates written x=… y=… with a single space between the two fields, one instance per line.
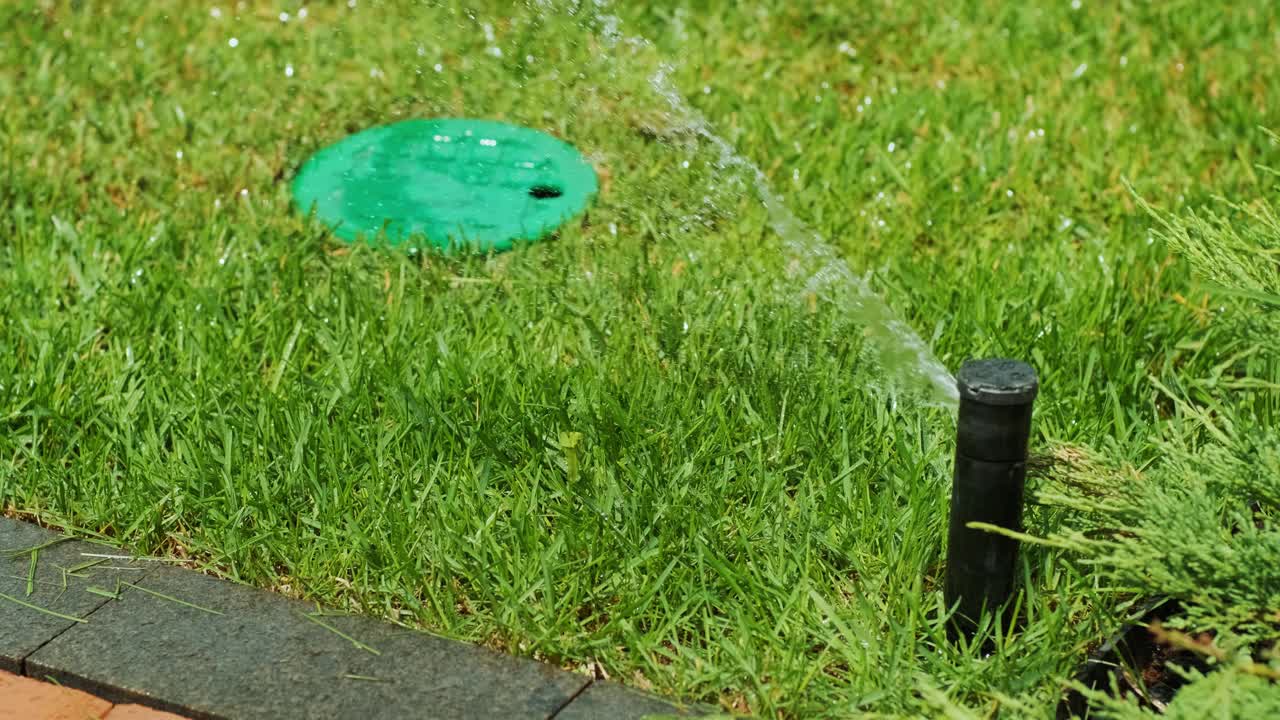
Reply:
x=637 y=449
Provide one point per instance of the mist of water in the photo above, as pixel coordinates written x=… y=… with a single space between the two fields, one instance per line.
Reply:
x=901 y=354
x=906 y=365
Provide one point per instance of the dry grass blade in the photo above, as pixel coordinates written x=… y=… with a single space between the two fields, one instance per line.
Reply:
x=365 y=678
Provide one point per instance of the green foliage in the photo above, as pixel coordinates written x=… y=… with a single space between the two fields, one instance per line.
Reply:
x=1238 y=248
x=1222 y=695
x=1201 y=523
x=630 y=449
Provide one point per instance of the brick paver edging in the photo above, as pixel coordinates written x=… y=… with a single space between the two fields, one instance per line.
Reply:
x=131 y=631
x=23 y=698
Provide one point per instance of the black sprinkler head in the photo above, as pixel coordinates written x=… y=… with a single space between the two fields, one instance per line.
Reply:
x=992 y=434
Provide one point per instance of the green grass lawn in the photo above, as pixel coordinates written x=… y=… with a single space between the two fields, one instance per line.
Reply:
x=637 y=449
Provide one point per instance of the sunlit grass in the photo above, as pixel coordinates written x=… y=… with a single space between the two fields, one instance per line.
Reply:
x=636 y=448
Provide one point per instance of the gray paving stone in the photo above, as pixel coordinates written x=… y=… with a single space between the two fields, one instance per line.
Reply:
x=22 y=629
x=610 y=701
x=262 y=658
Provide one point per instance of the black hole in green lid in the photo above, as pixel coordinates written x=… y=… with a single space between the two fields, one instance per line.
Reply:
x=545 y=192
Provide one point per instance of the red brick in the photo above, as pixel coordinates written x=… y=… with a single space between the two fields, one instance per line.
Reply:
x=27 y=699
x=138 y=712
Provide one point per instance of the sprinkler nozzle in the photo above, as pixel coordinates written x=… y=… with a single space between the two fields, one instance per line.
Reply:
x=992 y=433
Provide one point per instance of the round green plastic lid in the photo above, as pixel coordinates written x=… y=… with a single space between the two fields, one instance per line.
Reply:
x=462 y=184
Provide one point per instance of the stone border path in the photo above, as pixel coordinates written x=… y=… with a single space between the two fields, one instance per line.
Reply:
x=132 y=631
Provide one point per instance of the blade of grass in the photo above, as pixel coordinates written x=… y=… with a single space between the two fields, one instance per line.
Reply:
x=340 y=634
x=37 y=608
x=10 y=554
x=24 y=577
x=131 y=557
x=95 y=590
x=84 y=566
x=173 y=599
x=31 y=572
